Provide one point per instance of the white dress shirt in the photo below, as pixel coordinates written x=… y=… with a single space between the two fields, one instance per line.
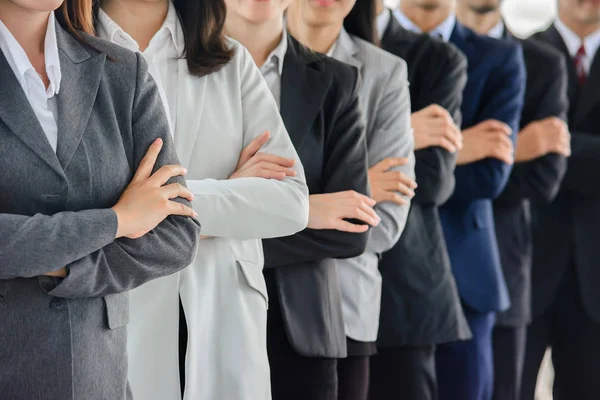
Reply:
x=443 y=30
x=497 y=32
x=272 y=69
x=383 y=20
x=162 y=54
x=574 y=42
x=42 y=100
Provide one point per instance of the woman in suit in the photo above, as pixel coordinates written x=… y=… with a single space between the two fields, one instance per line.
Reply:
x=82 y=217
x=318 y=99
x=385 y=101
x=247 y=186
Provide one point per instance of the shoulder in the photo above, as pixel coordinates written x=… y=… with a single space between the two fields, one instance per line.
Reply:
x=543 y=52
x=120 y=57
x=378 y=61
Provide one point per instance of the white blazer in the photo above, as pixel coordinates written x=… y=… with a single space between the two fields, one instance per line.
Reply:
x=223 y=292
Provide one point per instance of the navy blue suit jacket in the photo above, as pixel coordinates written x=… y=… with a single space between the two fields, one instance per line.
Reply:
x=495 y=90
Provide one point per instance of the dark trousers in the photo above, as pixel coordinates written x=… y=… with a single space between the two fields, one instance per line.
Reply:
x=403 y=373
x=575 y=342
x=294 y=377
x=465 y=370
x=353 y=378
x=509 y=355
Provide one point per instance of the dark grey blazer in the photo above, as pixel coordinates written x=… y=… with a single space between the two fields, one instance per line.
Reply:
x=320 y=108
x=531 y=184
x=566 y=232
x=420 y=303
x=66 y=338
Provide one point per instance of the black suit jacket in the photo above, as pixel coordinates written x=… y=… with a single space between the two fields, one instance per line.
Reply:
x=533 y=182
x=567 y=231
x=321 y=111
x=420 y=303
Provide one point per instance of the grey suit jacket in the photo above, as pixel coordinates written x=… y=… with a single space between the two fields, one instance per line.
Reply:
x=66 y=338
x=385 y=102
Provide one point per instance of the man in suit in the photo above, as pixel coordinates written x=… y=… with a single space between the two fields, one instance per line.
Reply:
x=540 y=164
x=420 y=303
x=491 y=108
x=566 y=275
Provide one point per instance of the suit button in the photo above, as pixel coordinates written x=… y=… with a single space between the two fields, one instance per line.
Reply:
x=51 y=197
x=2 y=298
x=56 y=303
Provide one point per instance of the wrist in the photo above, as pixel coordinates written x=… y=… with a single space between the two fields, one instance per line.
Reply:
x=120 y=223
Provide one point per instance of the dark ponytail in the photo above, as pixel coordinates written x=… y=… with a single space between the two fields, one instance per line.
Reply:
x=361 y=21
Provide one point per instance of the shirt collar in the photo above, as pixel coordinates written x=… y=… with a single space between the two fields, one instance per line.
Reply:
x=278 y=54
x=21 y=64
x=111 y=31
x=444 y=30
x=383 y=20
x=573 y=41
x=497 y=32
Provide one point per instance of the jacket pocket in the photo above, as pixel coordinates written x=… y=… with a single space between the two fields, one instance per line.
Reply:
x=117 y=310
x=254 y=278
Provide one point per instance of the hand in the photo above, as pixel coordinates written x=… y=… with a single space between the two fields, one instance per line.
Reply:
x=330 y=210
x=145 y=203
x=491 y=139
x=61 y=273
x=386 y=184
x=539 y=138
x=433 y=126
x=252 y=164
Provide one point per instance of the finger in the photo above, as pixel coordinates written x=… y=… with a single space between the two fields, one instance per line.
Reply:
x=399 y=177
x=358 y=213
x=275 y=167
x=175 y=190
x=502 y=155
x=394 y=198
x=253 y=148
x=181 y=209
x=445 y=143
x=436 y=111
x=493 y=124
x=351 y=194
x=165 y=173
x=397 y=186
x=265 y=173
x=345 y=226
x=368 y=210
x=388 y=163
x=147 y=164
x=271 y=158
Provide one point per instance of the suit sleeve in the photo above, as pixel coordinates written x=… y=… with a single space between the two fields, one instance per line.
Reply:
x=434 y=166
x=255 y=208
x=539 y=180
x=84 y=242
x=345 y=168
x=502 y=100
x=391 y=136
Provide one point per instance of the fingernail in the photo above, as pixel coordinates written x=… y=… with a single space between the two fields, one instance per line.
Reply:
x=158 y=141
x=195 y=214
x=185 y=171
x=193 y=197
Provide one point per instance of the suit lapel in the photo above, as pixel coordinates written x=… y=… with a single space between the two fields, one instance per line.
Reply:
x=79 y=87
x=190 y=102
x=346 y=51
x=395 y=37
x=553 y=37
x=460 y=38
x=303 y=91
x=17 y=114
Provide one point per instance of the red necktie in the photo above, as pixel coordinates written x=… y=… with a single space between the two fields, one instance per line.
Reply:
x=578 y=60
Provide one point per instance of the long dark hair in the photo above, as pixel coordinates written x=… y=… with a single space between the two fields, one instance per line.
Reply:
x=361 y=21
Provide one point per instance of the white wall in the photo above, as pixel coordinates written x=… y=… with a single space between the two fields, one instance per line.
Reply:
x=522 y=16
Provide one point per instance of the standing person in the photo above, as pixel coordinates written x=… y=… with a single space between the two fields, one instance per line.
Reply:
x=566 y=301
x=420 y=305
x=318 y=98
x=77 y=231
x=491 y=109
x=250 y=186
x=540 y=164
x=385 y=102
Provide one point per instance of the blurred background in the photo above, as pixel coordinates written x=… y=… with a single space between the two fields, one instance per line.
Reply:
x=522 y=16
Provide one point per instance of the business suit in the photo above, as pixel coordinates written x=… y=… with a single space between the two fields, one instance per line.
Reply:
x=496 y=77
x=305 y=334
x=565 y=297
x=420 y=303
x=66 y=338
x=385 y=101
x=223 y=292
x=530 y=183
